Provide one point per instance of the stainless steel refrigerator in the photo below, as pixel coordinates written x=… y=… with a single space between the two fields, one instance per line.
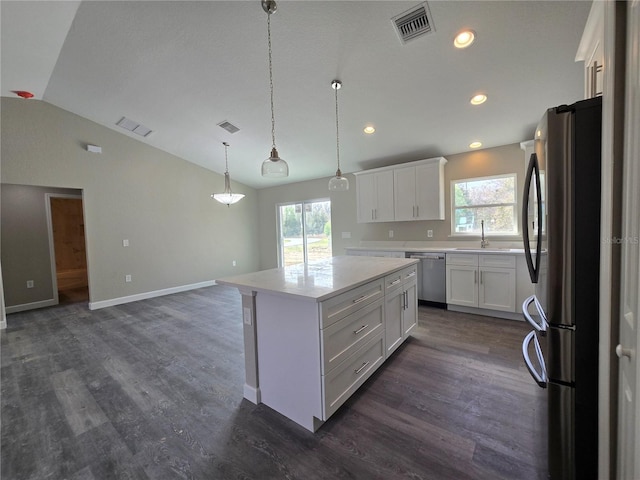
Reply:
x=561 y=233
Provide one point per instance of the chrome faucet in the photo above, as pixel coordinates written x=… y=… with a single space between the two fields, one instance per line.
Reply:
x=483 y=242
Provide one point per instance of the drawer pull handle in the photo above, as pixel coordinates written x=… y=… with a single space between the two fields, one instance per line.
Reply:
x=358 y=300
x=396 y=281
x=358 y=370
x=360 y=329
x=411 y=274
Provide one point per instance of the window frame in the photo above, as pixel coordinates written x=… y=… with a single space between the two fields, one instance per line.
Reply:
x=515 y=205
x=279 y=237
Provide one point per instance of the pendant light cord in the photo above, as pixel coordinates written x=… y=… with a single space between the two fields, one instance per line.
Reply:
x=337 y=131
x=273 y=118
x=226 y=161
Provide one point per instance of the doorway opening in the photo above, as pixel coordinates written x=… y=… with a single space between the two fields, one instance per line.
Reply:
x=304 y=232
x=68 y=248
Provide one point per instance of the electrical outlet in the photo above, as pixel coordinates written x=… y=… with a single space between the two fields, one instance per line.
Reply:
x=233 y=263
x=125 y=242
x=390 y=233
x=430 y=233
x=127 y=278
x=29 y=283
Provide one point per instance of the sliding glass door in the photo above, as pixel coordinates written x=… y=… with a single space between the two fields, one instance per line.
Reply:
x=304 y=232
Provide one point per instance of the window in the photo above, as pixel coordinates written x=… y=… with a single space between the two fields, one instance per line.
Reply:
x=304 y=232
x=492 y=199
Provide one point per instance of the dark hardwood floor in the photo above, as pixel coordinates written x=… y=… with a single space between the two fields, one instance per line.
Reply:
x=153 y=390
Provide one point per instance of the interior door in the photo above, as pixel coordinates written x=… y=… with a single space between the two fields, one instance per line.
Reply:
x=627 y=350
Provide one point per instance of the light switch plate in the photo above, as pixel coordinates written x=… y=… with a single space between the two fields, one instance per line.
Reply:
x=246 y=314
x=430 y=233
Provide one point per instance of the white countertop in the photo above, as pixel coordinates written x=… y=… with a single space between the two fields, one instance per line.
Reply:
x=447 y=249
x=318 y=280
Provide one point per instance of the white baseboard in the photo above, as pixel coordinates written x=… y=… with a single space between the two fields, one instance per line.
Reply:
x=143 y=296
x=252 y=394
x=30 y=306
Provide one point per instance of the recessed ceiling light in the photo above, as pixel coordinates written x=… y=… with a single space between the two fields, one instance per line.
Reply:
x=464 y=39
x=478 y=99
x=369 y=129
x=475 y=145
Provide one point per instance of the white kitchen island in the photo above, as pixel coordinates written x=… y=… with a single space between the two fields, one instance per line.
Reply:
x=315 y=332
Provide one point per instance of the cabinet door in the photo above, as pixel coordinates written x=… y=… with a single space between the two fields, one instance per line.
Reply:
x=429 y=191
x=383 y=210
x=365 y=186
x=497 y=289
x=404 y=193
x=410 y=313
x=462 y=285
x=394 y=302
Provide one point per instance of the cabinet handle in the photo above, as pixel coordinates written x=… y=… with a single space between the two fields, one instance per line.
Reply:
x=481 y=276
x=412 y=274
x=358 y=300
x=475 y=276
x=395 y=282
x=360 y=329
x=417 y=211
x=358 y=370
x=406 y=299
x=372 y=214
x=413 y=210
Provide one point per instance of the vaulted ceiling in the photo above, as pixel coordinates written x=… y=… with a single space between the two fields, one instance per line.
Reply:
x=181 y=67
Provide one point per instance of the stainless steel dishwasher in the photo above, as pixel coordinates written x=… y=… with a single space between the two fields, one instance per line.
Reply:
x=431 y=277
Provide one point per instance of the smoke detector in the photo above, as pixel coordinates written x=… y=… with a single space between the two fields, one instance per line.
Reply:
x=414 y=23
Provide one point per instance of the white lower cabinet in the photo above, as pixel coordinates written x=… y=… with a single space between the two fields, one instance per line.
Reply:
x=400 y=307
x=482 y=281
x=356 y=329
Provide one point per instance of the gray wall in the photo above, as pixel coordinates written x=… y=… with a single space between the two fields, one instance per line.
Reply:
x=343 y=215
x=178 y=235
x=491 y=161
x=25 y=243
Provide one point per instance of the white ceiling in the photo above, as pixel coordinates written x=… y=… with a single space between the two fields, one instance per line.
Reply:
x=182 y=67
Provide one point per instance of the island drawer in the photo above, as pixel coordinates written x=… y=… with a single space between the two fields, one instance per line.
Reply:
x=399 y=278
x=345 y=379
x=345 y=336
x=340 y=306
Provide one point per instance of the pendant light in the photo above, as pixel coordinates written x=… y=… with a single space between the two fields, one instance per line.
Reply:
x=273 y=166
x=338 y=183
x=227 y=197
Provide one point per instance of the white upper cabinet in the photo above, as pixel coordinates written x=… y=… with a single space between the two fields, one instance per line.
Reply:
x=410 y=191
x=419 y=190
x=591 y=51
x=375 y=196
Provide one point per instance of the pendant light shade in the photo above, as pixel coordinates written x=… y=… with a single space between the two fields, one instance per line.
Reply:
x=227 y=197
x=274 y=166
x=338 y=183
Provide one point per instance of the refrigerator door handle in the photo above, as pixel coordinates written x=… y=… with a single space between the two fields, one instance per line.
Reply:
x=533 y=171
x=540 y=327
x=539 y=377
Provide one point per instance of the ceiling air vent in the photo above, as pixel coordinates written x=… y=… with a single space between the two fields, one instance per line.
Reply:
x=414 y=23
x=134 y=127
x=229 y=127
